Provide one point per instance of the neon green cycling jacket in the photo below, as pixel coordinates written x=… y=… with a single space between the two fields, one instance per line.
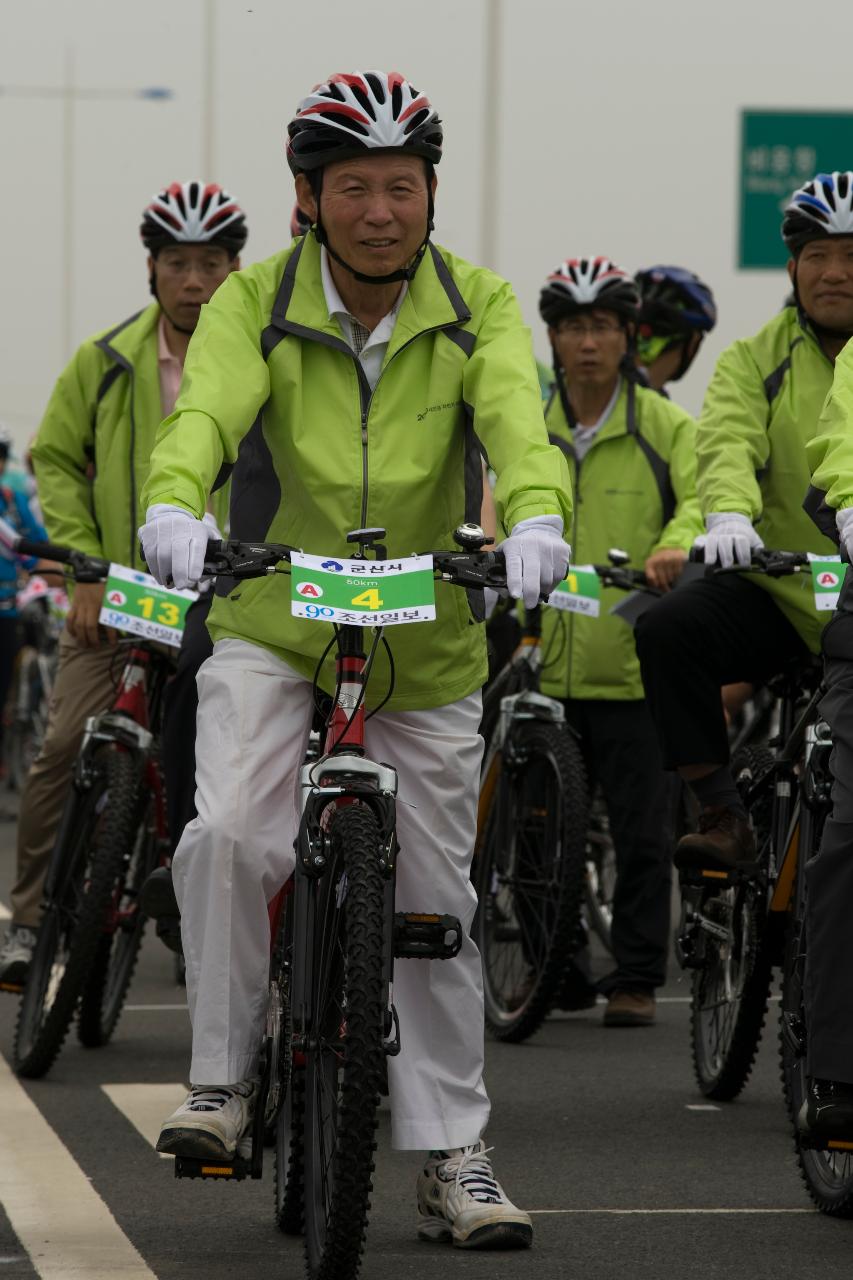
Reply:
x=830 y=453
x=761 y=410
x=271 y=390
x=104 y=411
x=635 y=489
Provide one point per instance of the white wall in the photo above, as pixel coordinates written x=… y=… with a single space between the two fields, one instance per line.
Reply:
x=617 y=133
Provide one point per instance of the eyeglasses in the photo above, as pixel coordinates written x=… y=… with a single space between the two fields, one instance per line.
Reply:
x=580 y=328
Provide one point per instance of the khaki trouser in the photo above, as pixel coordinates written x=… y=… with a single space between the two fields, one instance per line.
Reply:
x=85 y=683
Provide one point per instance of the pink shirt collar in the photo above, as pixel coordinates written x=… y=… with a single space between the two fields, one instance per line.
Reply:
x=171 y=369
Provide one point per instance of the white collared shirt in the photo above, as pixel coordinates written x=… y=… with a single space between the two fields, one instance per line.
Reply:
x=369 y=350
x=583 y=436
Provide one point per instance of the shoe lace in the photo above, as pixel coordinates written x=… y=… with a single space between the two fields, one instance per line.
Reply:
x=474 y=1174
x=214 y=1097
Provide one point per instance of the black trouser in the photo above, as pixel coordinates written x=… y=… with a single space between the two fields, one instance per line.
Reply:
x=179 y=717
x=829 y=876
x=621 y=752
x=714 y=631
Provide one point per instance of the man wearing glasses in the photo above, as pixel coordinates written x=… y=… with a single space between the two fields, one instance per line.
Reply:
x=632 y=455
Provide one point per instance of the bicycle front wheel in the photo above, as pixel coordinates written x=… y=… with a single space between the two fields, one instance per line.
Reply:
x=103 y=997
x=344 y=1046
x=531 y=866
x=73 y=921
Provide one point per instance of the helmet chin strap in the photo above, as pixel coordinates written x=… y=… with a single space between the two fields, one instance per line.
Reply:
x=152 y=284
x=404 y=273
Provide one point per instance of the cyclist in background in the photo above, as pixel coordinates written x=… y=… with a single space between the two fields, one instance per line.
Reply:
x=677 y=310
x=828 y=1109
x=91 y=456
x=15 y=509
x=348 y=380
x=632 y=455
x=760 y=411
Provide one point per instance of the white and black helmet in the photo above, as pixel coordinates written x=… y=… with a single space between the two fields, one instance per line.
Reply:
x=579 y=284
x=823 y=207
x=194 y=213
x=362 y=111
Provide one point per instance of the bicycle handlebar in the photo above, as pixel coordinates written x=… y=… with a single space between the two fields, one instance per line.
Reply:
x=83 y=567
x=244 y=560
x=775 y=564
x=624 y=579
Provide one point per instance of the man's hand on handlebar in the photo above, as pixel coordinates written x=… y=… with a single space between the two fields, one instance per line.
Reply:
x=82 y=620
x=663 y=569
x=730 y=539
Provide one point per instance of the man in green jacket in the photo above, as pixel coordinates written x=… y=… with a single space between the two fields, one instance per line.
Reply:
x=760 y=412
x=632 y=453
x=352 y=380
x=827 y=1112
x=91 y=456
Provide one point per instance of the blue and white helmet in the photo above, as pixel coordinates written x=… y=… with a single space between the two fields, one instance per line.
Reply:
x=823 y=207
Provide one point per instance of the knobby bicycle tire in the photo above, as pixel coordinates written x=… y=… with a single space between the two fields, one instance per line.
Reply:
x=827 y=1175
x=730 y=993
x=26 y=732
x=600 y=874
x=344 y=1053
x=72 y=923
x=290 y=1158
x=103 y=996
x=531 y=873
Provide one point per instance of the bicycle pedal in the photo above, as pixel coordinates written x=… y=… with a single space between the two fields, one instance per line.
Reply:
x=234 y=1170
x=707 y=877
x=424 y=936
x=14 y=988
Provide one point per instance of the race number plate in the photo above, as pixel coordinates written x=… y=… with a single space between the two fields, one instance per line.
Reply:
x=136 y=603
x=827 y=576
x=364 y=593
x=579 y=592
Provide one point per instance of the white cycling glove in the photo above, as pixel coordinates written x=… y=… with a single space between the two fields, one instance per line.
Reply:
x=174 y=544
x=536 y=558
x=730 y=539
x=844 y=525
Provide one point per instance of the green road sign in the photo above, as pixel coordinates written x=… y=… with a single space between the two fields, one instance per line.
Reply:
x=780 y=150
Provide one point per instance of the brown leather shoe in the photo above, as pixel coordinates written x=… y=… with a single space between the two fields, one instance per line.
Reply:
x=723 y=842
x=630 y=1009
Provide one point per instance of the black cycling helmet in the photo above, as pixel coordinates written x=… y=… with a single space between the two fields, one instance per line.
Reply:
x=675 y=306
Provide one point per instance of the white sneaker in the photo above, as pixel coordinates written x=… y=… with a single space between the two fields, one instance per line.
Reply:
x=212 y=1121
x=459 y=1199
x=15 y=956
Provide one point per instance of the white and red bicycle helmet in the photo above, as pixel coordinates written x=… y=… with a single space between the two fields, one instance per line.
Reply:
x=581 y=283
x=194 y=213
x=362 y=111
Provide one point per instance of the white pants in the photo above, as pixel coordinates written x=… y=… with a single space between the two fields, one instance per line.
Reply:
x=254 y=717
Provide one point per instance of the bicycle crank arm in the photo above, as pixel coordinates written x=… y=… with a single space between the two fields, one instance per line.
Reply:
x=426 y=937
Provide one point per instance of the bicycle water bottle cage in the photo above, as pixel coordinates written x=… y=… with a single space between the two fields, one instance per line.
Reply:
x=369 y=538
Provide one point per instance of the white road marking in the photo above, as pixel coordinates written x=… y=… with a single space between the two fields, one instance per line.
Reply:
x=675 y=1211
x=152 y=1008
x=5 y=913
x=700 y=1106
x=146 y=1106
x=61 y=1221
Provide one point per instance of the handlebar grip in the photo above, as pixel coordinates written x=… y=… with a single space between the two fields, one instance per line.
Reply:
x=43 y=550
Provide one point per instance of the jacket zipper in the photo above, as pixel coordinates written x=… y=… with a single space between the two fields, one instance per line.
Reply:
x=367 y=400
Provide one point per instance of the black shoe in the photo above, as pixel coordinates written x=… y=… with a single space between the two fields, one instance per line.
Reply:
x=157 y=900
x=723 y=842
x=826 y=1116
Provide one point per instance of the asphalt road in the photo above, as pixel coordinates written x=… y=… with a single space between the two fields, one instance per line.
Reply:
x=600 y=1133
